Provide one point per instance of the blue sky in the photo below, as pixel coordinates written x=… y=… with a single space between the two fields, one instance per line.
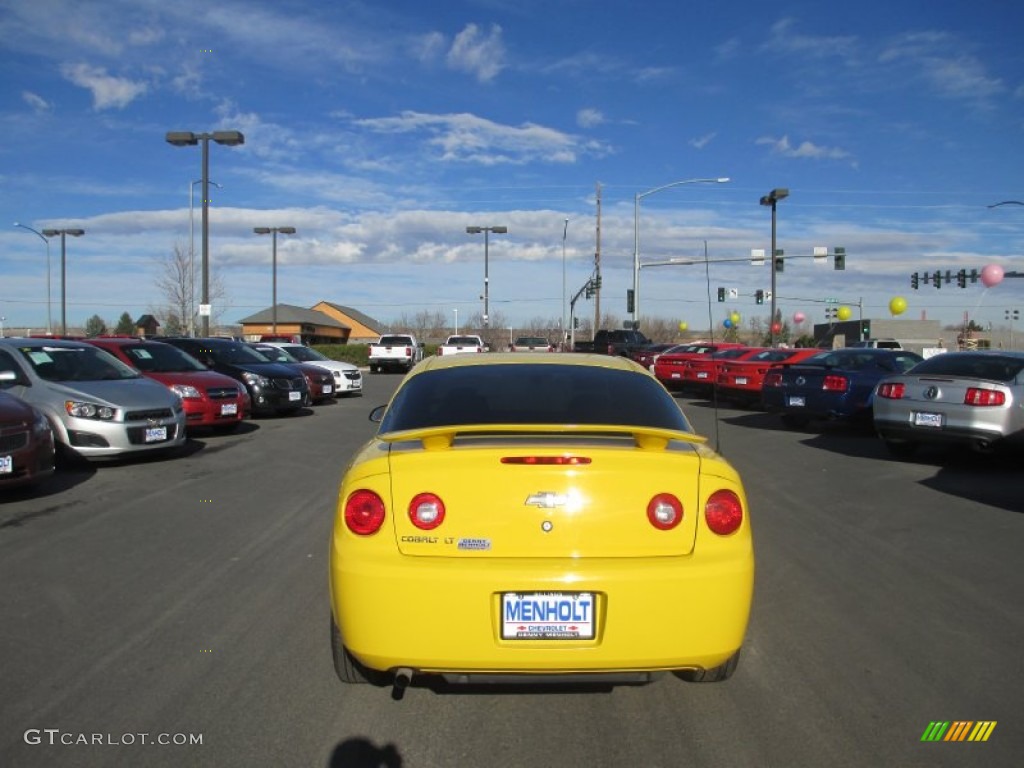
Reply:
x=382 y=130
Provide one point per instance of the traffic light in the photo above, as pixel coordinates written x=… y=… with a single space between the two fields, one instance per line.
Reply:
x=840 y=258
x=780 y=264
x=721 y=294
x=865 y=330
x=914 y=281
x=576 y=323
x=961 y=278
x=759 y=296
x=597 y=282
x=630 y=300
x=937 y=279
x=974 y=275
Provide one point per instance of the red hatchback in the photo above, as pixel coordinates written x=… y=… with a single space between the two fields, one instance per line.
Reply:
x=26 y=443
x=211 y=399
x=740 y=380
x=701 y=373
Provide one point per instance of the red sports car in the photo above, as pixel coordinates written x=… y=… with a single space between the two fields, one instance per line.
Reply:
x=740 y=380
x=701 y=373
x=26 y=443
x=669 y=366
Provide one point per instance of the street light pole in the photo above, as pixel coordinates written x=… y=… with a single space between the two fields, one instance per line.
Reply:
x=192 y=257
x=63 y=271
x=273 y=231
x=565 y=231
x=772 y=199
x=498 y=230
x=636 y=233
x=49 y=311
x=186 y=139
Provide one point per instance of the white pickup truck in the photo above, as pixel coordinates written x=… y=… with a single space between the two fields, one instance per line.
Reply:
x=461 y=345
x=393 y=351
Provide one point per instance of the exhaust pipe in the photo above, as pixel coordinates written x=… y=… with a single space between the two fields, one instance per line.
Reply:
x=403 y=676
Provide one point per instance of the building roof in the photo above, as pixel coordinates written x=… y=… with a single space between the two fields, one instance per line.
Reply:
x=286 y=313
x=356 y=315
x=146 y=320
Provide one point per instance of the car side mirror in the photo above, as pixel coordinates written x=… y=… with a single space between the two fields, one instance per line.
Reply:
x=377 y=414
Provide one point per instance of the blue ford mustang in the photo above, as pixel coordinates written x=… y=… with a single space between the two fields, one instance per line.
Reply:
x=833 y=384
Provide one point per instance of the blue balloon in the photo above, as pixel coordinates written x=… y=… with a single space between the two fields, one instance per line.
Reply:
x=727 y=323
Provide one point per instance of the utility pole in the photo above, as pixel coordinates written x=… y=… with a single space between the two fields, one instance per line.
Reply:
x=597 y=264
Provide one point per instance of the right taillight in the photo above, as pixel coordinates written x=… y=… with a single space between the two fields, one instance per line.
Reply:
x=891 y=390
x=364 y=512
x=983 y=397
x=723 y=512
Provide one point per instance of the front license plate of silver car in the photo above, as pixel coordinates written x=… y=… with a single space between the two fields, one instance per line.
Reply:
x=156 y=434
x=547 y=616
x=797 y=402
x=922 y=419
x=6 y=465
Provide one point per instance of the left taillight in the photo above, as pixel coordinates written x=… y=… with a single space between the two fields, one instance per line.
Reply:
x=364 y=512
x=426 y=510
x=891 y=390
x=723 y=512
x=665 y=511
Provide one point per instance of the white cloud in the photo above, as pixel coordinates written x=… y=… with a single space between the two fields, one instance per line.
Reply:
x=37 y=102
x=785 y=39
x=804 y=149
x=954 y=74
x=702 y=141
x=467 y=138
x=477 y=54
x=107 y=90
x=589 y=118
x=429 y=47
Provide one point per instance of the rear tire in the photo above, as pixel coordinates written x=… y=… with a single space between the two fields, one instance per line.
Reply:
x=349 y=671
x=713 y=675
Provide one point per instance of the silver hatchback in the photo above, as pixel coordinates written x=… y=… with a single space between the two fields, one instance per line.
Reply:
x=971 y=398
x=97 y=406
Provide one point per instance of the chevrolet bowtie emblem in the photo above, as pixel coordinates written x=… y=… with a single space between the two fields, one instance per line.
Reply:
x=546 y=500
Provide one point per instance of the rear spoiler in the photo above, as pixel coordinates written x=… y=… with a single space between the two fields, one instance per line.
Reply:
x=440 y=438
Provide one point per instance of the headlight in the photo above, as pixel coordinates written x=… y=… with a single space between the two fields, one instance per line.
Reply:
x=186 y=392
x=83 y=410
x=255 y=380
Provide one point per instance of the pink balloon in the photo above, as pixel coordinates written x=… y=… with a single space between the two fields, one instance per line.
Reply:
x=799 y=317
x=992 y=275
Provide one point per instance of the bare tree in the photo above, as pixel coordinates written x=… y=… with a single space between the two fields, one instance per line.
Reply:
x=176 y=284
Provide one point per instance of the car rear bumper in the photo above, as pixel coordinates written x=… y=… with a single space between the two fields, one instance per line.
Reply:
x=443 y=615
x=956 y=434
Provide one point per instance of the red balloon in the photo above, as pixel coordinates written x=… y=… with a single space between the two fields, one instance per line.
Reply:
x=776 y=327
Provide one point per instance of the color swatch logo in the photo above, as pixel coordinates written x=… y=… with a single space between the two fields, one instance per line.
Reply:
x=959 y=730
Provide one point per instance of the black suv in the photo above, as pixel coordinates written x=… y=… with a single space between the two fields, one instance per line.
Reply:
x=273 y=387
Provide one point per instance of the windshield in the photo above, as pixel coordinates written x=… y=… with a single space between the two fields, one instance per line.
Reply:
x=532 y=394
x=161 y=358
x=276 y=354
x=972 y=365
x=76 y=364
x=531 y=341
x=394 y=341
x=463 y=340
x=305 y=354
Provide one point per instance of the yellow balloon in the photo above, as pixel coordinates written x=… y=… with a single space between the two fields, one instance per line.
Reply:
x=844 y=313
x=683 y=325
x=735 y=317
x=897 y=305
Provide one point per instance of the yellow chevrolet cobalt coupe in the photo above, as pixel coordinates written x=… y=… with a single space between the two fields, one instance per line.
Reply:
x=537 y=518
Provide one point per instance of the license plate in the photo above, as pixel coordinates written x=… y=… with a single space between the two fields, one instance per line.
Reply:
x=156 y=434
x=675 y=375
x=797 y=402
x=294 y=395
x=229 y=409
x=741 y=380
x=328 y=389
x=547 y=616
x=927 y=419
x=702 y=375
x=6 y=465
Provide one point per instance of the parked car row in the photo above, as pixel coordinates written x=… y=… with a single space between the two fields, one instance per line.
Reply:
x=116 y=396
x=971 y=398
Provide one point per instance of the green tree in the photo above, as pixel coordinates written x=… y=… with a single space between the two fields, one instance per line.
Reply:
x=125 y=325
x=172 y=325
x=95 y=326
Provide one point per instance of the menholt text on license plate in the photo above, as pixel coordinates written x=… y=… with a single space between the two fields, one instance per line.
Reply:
x=547 y=616
x=927 y=419
x=156 y=434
